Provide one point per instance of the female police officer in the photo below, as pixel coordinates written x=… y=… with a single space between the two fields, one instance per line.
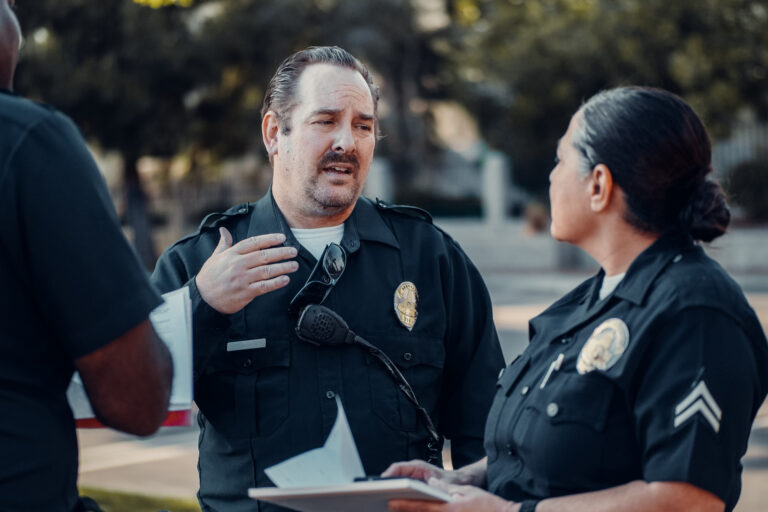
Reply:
x=639 y=387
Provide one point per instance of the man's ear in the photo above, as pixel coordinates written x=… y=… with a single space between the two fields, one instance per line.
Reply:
x=270 y=130
x=600 y=188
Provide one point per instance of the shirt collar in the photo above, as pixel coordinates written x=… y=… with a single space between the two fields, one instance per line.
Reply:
x=642 y=273
x=364 y=223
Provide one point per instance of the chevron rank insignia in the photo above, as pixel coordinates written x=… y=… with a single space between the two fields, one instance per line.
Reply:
x=700 y=401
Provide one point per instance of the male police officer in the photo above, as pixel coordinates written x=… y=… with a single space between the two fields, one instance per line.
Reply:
x=72 y=296
x=406 y=287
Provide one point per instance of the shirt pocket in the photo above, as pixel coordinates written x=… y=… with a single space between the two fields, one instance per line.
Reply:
x=509 y=377
x=421 y=361
x=247 y=394
x=563 y=428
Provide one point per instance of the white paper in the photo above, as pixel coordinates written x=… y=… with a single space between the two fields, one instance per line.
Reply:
x=336 y=462
x=172 y=321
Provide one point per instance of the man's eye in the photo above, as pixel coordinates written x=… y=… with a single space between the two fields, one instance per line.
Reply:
x=366 y=127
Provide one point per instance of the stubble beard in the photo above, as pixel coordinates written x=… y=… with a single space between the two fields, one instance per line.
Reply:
x=329 y=200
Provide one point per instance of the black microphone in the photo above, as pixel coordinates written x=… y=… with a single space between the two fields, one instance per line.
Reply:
x=321 y=326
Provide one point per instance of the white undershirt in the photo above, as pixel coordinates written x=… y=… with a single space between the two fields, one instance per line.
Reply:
x=315 y=239
x=609 y=284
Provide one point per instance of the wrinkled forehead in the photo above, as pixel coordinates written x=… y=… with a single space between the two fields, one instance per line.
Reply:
x=333 y=87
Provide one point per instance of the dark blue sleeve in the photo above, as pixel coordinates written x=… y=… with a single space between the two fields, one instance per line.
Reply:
x=87 y=279
x=697 y=395
x=473 y=361
x=177 y=267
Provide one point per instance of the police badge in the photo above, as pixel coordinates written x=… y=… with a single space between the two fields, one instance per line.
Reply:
x=604 y=347
x=406 y=300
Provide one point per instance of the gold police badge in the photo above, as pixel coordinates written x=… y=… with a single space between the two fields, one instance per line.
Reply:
x=406 y=300
x=604 y=346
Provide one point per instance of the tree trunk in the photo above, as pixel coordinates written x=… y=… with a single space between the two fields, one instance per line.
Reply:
x=137 y=213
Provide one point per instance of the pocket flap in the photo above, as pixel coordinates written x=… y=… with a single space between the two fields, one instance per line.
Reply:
x=410 y=352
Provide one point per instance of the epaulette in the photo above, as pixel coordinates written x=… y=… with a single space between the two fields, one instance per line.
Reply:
x=212 y=220
x=404 y=209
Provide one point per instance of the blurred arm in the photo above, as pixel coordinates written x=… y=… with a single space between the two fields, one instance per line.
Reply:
x=128 y=381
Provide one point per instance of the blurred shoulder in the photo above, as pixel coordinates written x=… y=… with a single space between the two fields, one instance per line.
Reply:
x=208 y=230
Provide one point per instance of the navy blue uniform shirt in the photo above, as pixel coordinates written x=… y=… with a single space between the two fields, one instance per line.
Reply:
x=69 y=284
x=262 y=405
x=660 y=381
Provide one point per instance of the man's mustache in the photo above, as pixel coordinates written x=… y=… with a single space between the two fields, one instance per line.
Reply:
x=332 y=157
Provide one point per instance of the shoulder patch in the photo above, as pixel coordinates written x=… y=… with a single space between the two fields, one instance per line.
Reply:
x=213 y=219
x=403 y=209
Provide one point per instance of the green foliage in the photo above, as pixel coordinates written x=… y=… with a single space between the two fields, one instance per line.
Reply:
x=747 y=186
x=114 y=501
x=524 y=67
x=173 y=79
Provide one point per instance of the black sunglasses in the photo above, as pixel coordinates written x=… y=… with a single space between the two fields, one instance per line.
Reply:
x=322 y=279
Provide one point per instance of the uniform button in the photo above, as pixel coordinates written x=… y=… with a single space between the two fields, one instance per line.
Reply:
x=330 y=394
x=247 y=363
x=564 y=340
x=525 y=390
x=242 y=210
x=552 y=409
x=509 y=449
x=677 y=258
x=407 y=356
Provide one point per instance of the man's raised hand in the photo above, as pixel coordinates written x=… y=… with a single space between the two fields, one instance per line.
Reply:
x=235 y=274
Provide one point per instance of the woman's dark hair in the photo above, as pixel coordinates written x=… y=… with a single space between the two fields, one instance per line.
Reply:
x=659 y=153
x=280 y=96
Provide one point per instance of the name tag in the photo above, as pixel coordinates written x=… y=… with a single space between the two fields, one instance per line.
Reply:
x=234 y=346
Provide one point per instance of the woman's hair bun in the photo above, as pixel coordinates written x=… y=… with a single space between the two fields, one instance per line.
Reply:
x=706 y=215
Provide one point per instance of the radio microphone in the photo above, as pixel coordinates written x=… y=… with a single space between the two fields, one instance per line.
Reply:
x=323 y=327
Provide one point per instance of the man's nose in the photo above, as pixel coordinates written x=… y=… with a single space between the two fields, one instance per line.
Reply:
x=344 y=140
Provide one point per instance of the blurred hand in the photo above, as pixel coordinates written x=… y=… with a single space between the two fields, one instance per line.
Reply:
x=466 y=498
x=424 y=471
x=235 y=274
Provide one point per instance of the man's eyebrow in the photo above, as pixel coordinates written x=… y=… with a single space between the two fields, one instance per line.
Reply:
x=325 y=112
x=335 y=111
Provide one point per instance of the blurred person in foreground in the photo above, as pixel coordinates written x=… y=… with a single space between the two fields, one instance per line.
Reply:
x=639 y=387
x=72 y=297
x=398 y=281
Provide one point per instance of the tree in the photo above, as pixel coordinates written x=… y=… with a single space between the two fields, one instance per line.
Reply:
x=123 y=72
x=524 y=67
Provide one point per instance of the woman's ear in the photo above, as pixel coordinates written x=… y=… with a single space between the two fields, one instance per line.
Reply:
x=601 y=188
x=270 y=130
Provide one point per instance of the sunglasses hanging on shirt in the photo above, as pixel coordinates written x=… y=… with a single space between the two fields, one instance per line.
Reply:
x=327 y=272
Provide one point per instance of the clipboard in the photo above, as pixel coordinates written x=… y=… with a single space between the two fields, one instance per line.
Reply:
x=371 y=496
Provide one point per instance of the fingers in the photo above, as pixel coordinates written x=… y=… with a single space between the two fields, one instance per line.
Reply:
x=267 y=256
x=414 y=469
x=257 y=243
x=267 y=272
x=225 y=241
x=261 y=287
x=445 y=486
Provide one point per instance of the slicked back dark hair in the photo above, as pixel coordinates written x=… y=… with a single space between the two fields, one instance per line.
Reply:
x=281 y=92
x=659 y=153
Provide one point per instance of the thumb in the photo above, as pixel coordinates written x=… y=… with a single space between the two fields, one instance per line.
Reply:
x=225 y=241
